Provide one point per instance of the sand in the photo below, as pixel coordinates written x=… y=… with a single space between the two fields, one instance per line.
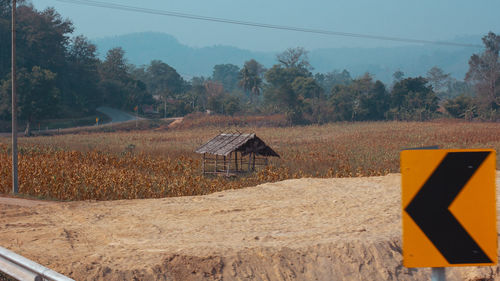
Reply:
x=305 y=229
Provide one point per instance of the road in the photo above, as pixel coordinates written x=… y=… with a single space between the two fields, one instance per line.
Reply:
x=117 y=115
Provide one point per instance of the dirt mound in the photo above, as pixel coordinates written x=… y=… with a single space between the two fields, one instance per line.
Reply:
x=306 y=229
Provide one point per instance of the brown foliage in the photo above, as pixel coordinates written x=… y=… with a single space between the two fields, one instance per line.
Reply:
x=126 y=165
x=196 y=120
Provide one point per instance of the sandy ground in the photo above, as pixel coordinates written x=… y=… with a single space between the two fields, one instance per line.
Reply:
x=22 y=202
x=306 y=229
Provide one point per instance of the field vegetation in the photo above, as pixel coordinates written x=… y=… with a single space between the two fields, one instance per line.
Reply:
x=153 y=164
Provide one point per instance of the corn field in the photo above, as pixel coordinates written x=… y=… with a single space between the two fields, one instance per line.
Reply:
x=129 y=165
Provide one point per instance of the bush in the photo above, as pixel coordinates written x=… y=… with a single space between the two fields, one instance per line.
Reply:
x=461 y=107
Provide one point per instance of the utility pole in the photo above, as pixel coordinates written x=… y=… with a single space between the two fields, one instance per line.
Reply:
x=15 y=187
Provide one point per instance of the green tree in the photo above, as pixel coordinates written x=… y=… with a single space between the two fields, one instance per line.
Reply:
x=413 y=99
x=114 y=78
x=279 y=92
x=375 y=102
x=5 y=37
x=81 y=86
x=306 y=88
x=329 y=80
x=117 y=84
x=115 y=66
x=484 y=74
x=295 y=58
x=456 y=87
x=310 y=96
x=398 y=75
x=361 y=100
x=344 y=103
x=38 y=97
x=439 y=80
x=164 y=82
x=228 y=75
x=461 y=107
x=42 y=40
x=197 y=94
x=251 y=78
x=138 y=72
x=219 y=101
x=57 y=63
x=231 y=105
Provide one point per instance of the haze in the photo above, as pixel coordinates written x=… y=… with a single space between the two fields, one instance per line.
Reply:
x=426 y=19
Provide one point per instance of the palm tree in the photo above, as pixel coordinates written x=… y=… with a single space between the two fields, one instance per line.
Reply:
x=251 y=80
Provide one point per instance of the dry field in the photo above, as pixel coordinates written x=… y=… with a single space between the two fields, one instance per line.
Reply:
x=154 y=164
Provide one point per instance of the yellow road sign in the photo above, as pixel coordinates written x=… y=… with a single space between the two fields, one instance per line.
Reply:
x=449 y=207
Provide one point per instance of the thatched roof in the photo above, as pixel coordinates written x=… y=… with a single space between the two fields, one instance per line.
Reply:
x=226 y=143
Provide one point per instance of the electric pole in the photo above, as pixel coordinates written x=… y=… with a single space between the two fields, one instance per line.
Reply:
x=15 y=187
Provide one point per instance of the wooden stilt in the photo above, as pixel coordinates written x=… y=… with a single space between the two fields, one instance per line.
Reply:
x=203 y=164
x=236 y=161
x=249 y=161
x=253 y=164
x=229 y=164
x=216 y=163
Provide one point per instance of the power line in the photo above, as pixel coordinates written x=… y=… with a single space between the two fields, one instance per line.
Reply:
x=261 y=25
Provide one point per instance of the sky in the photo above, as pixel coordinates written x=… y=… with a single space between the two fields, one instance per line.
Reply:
x=423 y=19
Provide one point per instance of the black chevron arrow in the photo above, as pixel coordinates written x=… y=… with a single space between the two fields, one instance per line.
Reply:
x=429 y=208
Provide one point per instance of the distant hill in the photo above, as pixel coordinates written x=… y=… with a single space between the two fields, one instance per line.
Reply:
x=141 y=48
x=413 y=60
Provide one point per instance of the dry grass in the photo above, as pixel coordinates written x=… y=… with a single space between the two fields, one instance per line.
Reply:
x=197 y=120
x=146 y=164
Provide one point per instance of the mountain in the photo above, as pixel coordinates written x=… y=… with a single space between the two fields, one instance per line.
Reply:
x=413 y=60
x=141 y=48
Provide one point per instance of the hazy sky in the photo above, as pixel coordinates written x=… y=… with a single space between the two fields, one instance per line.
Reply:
x=422 y=19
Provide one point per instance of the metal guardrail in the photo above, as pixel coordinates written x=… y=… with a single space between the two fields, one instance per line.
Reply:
x=22 y=268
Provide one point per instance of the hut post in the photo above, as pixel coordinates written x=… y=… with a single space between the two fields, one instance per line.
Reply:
x=203 y=163
x=249 y=160
x=216 y=162
x=236 y=160
x=267 y=161
x=224 y=167
x=229 y=164
x=253 y=162
x=241 y=161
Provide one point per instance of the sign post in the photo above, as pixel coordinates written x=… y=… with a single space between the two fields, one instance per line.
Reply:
x=448 y=208
x=438 y=274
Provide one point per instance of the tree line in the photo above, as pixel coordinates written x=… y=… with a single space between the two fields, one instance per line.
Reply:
x=61 y=76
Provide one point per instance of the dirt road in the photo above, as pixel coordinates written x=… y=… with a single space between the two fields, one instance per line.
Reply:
x=116 y=115
x=306 y=229
x=23 y=202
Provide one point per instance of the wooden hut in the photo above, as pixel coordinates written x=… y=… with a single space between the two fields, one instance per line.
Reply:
x=232 y=153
